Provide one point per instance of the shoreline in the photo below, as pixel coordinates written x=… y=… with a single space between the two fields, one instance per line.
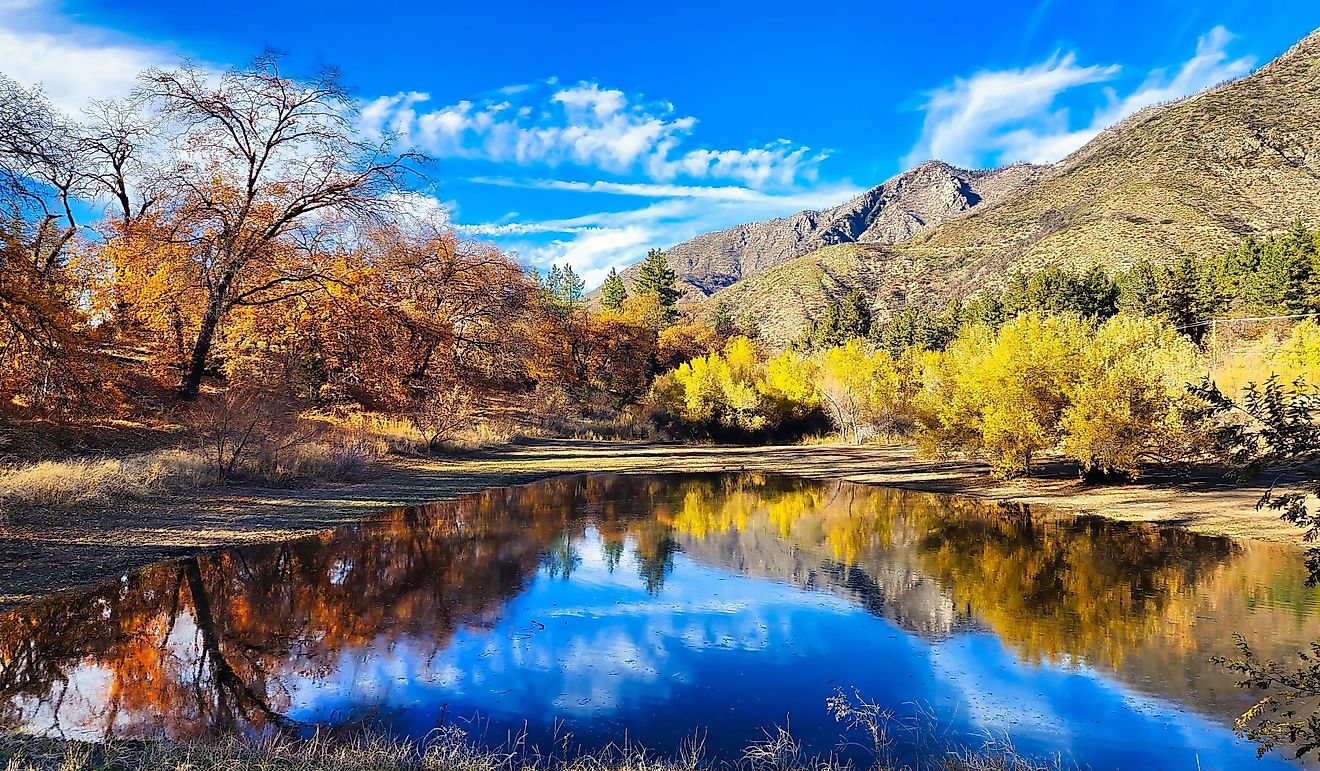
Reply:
x=47 y=552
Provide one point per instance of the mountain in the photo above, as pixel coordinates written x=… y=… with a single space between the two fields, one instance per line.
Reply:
x=886 y=214
x=1192 y=177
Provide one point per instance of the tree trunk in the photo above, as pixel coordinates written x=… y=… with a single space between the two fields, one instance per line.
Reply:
x=215 y=310
x=192 y=379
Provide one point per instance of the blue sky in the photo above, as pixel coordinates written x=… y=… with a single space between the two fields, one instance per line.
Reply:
x=589 y=133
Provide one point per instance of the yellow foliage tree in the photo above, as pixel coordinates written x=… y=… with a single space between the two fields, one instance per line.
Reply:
x=1003 y=395
x=863 y=390
x=1300 y=356
x=720 y=389
x=1129 y=398
x=789 y=387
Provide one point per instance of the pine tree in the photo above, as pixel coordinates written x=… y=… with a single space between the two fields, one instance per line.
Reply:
x=721 y=319
x=1015 y=299
x=1282 y=281
x=750 y=327
x=854 y=316
x=1097 y=294
x=562 y=288
x=983 y=309
x=828 y=329
x=572 y=287
x=656 y=277
x=1138 y=290
x=613 y=292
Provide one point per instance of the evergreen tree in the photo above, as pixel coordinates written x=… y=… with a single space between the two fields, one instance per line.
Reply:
x=827 y=332
x=562 y=288
x=750 y=327
x=1015 y=295
x=984 y=309
x=613 y=292
x=841 y=321
x=916 y=328
x=656 y=277
x=721 y=319
x=1138 y=289
x=854 y=316
x=1282 y=281
x=1181 y=299
x=1096 y=294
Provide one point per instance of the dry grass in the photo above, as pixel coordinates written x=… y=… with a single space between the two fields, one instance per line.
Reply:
x=99 y=482
x=324 y=449
x=1239 y=353
x=449 y=749
x=382 y=434
x=553 y=417
x=86 y=483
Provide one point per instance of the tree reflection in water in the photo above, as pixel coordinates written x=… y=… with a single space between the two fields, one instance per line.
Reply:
x=216 y=643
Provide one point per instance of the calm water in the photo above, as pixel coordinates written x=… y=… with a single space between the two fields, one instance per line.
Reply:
x=650 y=607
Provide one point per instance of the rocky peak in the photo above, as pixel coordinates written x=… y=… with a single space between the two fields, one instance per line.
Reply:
x=886 y=214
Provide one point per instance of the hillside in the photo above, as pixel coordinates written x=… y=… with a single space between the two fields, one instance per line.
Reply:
x=886 y=214
x=1191 y=177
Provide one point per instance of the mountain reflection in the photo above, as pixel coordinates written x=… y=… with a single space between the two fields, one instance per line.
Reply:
x=451 y=598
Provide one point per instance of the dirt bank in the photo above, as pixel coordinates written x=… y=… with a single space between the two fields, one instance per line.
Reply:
x=41 y=553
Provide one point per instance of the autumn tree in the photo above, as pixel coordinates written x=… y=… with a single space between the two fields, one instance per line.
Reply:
x=1002 y=395
x=864 y=390
x=261 y=166
x=1129 y=401
x=42 y=352
x=737 y=390
x=424 y=320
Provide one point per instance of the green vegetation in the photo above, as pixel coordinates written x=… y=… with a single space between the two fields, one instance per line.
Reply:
x=563 y=288
x=613 y=292
x=843 y=320
x=655 y=277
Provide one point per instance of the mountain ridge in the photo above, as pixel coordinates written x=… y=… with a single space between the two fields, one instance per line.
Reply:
x=890 y=212
x=1191 y=177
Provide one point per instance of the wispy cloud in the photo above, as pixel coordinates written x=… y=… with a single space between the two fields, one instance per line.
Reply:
x=593 y=243
x=588 y=126
x=997 y=117
x=640 y=189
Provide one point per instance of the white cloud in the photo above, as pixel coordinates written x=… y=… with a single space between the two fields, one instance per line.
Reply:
x=583 y=125
x=594 y=243
x=72 y=63
x=997 y=117
x=638 y=189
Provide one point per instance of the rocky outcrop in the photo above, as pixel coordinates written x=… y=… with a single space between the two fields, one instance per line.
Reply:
x=886 y=214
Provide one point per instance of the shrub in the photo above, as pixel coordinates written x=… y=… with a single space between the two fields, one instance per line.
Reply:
x=1130 y=399
x=1003 y=395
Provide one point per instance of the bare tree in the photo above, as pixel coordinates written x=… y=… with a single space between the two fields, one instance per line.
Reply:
x=39 y=174
x=39 y=180
x=258 y=160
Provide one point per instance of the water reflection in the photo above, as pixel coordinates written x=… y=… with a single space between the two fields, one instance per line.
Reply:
x=654 y=605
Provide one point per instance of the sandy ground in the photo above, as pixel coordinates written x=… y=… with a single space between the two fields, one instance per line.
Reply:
x=46 y=552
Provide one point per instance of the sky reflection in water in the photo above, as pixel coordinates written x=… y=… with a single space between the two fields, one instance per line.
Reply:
x=648 y=608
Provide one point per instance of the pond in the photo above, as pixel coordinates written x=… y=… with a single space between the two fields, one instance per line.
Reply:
x=594 y=609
